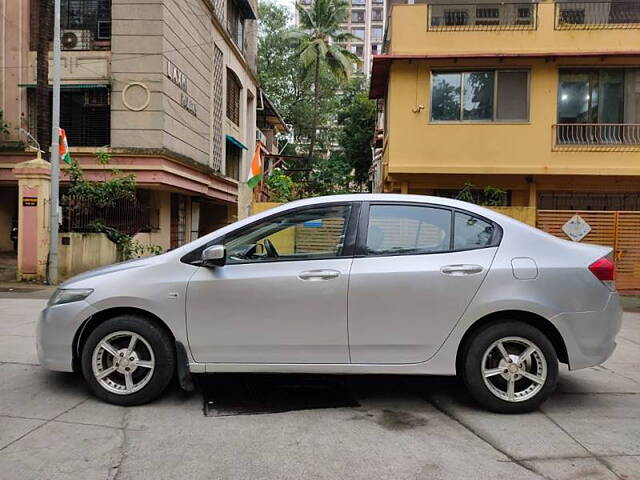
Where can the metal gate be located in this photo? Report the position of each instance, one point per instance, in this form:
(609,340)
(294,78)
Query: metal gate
(620,230)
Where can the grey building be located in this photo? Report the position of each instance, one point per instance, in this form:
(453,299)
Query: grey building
(168,87)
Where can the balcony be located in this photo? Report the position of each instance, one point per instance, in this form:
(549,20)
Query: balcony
(596,137)
(597,15)
(520,29)
(503,16)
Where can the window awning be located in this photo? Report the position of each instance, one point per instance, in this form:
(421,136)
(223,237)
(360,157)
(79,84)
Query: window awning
(68,86)
(236,142)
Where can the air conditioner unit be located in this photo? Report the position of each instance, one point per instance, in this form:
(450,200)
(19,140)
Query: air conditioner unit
(260,137)
(77,40)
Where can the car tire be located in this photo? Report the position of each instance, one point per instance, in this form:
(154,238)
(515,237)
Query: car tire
(121,375)
(496,374)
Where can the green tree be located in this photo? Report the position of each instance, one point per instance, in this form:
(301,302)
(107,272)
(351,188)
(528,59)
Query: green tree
(278,70)
(330,176)
(357,118)
(102,194)
(280,186)
(489,197)
(318,41)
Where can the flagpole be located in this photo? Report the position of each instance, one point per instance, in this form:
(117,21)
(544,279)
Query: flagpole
(52,266)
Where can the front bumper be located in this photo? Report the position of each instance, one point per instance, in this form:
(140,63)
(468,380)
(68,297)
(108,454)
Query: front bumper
(590,336)
(57,326)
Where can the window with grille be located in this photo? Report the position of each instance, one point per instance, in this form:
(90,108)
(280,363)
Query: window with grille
(232,161)
(235,24)
(357,16)
(524,16)
(218,10)
(92,17)
(178,232)
(216,117)
(572,16)
(487,16)
(456,17)
(85,115)
(233,97)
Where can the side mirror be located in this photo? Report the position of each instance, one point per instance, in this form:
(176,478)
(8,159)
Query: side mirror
(214,256)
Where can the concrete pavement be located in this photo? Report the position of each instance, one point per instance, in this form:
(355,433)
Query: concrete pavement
(403,428)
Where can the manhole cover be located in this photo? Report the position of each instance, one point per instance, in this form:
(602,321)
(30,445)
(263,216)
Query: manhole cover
(228,395)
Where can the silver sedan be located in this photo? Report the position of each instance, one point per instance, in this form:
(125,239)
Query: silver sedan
(354,284)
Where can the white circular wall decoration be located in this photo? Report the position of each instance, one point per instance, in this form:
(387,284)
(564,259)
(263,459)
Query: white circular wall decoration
(136,108)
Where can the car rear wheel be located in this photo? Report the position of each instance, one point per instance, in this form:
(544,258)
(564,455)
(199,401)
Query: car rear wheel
(510,367)
(128,360)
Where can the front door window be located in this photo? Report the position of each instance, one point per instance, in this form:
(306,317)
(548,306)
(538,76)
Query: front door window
(314,233)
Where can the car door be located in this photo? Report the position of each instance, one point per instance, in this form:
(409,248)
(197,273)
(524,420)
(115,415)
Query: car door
(282,295)
(416,269)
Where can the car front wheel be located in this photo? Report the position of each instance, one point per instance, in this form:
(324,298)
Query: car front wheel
(128,360)
(510,367)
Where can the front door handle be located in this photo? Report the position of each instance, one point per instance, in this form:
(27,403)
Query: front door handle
(319,275)
(459,270)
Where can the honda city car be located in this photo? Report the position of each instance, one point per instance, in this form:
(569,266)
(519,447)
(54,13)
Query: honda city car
(349,284)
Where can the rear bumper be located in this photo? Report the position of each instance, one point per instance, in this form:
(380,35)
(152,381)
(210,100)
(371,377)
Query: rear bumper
(590,336)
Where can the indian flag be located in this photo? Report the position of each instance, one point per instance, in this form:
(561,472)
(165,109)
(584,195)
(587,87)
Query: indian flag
(255,171)
(64,147)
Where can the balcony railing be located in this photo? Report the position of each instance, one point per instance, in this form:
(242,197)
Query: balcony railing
(485,16)
(597,15)
(598,136)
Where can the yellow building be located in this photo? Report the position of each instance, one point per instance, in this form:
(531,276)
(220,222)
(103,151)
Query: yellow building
(540,99)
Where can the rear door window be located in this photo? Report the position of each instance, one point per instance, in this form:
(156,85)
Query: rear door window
(407,230)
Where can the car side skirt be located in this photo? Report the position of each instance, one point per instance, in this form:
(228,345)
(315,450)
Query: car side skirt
(322,368)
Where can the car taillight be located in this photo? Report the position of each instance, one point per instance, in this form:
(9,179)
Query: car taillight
(605,271)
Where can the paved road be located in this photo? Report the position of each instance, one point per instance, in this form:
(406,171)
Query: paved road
(413,428)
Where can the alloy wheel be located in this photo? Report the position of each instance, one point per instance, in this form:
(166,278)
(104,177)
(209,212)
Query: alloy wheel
(123,362)
(514,369)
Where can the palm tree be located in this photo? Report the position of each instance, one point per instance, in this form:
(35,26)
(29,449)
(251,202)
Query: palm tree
(319,39)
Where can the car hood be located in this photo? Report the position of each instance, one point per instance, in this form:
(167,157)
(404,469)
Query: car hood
(116,267)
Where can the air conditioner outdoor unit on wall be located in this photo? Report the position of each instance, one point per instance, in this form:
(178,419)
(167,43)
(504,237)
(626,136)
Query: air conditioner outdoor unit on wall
(260,137)
(77,40)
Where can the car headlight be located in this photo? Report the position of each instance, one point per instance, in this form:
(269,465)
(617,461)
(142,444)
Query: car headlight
(68,295)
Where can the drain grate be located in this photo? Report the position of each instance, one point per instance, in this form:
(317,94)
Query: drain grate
(230,395)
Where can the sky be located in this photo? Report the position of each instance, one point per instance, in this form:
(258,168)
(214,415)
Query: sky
(285,3)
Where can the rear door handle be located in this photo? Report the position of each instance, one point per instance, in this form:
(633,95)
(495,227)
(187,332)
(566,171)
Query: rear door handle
(459,270)
(319,275)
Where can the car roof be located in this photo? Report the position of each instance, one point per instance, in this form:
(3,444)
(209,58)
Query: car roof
(393,198)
